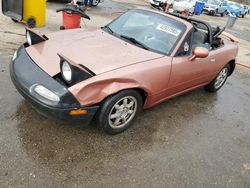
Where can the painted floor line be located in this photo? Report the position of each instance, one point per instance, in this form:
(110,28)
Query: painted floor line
(248,67)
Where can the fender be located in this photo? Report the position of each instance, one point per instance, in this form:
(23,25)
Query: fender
(96,92)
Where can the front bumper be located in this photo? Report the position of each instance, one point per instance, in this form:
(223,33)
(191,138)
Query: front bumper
(207,9)
(25,73)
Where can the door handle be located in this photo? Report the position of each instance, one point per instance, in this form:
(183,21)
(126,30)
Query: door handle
(212,60)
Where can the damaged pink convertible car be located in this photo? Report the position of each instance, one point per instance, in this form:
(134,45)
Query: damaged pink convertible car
(140,59)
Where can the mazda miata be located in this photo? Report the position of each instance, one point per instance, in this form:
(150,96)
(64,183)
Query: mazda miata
(109,74)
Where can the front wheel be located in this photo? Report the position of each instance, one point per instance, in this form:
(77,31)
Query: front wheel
(219,80)
(212,13)
(118,111)
(95,3)
(223,14)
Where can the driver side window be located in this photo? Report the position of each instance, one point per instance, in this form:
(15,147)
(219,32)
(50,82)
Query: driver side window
(186,47)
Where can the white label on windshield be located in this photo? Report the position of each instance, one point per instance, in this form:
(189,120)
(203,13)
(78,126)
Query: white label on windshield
(170,30)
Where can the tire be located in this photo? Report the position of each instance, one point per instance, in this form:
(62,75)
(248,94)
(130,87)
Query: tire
(95,3)
(31,22)
(242,15)
(213,13)
(16,21)
(163,7)
(124,106)
(62,28)
(219,80)
(223,14)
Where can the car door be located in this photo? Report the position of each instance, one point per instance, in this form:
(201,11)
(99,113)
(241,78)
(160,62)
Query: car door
(186,73)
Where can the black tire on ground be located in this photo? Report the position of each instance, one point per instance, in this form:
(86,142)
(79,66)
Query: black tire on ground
(115,106)
(62,28)
(242,15)
(213,13)
(95,3)
(31,22)
(16,21)
(211,87)
(223,14)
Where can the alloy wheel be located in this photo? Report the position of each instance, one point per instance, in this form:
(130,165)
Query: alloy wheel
(122,112)
(221,78)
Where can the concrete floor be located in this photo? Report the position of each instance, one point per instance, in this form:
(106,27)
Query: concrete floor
(195,140)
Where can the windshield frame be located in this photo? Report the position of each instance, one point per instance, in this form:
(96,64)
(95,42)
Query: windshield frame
(149,49)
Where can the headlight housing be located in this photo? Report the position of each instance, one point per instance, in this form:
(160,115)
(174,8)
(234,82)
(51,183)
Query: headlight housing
(72,73)
(66,71)
(34,38)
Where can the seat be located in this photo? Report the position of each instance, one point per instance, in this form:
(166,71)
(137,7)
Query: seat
(199,38)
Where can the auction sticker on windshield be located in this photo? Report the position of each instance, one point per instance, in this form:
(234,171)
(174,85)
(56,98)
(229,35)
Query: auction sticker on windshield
(168,29)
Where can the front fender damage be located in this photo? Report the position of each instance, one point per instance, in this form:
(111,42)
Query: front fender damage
(96,92)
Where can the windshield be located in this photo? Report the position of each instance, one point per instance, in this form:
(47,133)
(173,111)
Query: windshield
(147,30)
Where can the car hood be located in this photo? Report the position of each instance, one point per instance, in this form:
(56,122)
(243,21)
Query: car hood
(95,49)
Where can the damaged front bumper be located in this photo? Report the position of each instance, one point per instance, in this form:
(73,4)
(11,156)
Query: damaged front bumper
(25,74)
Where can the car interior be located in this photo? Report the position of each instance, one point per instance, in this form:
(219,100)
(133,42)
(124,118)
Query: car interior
(203,35)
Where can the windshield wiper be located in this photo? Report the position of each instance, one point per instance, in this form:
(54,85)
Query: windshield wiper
(133,40)
(108,28)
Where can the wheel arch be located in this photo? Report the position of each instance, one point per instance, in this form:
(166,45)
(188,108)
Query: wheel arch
(232,64)
(143,94)
(141,91)
(99,91)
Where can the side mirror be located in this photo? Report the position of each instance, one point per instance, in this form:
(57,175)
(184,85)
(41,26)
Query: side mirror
(199,52)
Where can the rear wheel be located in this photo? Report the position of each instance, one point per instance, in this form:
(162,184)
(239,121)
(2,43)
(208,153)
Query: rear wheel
(219,80)
(118,111)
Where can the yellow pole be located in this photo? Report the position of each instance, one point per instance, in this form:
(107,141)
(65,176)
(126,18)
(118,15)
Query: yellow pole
(34,10)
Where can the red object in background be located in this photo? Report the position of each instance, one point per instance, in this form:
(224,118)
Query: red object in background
(71,21)
(185,13)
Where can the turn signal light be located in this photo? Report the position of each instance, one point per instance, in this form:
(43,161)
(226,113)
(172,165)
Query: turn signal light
(78,112)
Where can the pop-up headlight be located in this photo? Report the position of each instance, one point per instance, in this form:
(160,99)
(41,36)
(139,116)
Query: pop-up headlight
(73,73)
(34,38)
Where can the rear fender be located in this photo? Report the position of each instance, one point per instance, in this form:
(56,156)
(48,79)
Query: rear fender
(230,37)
